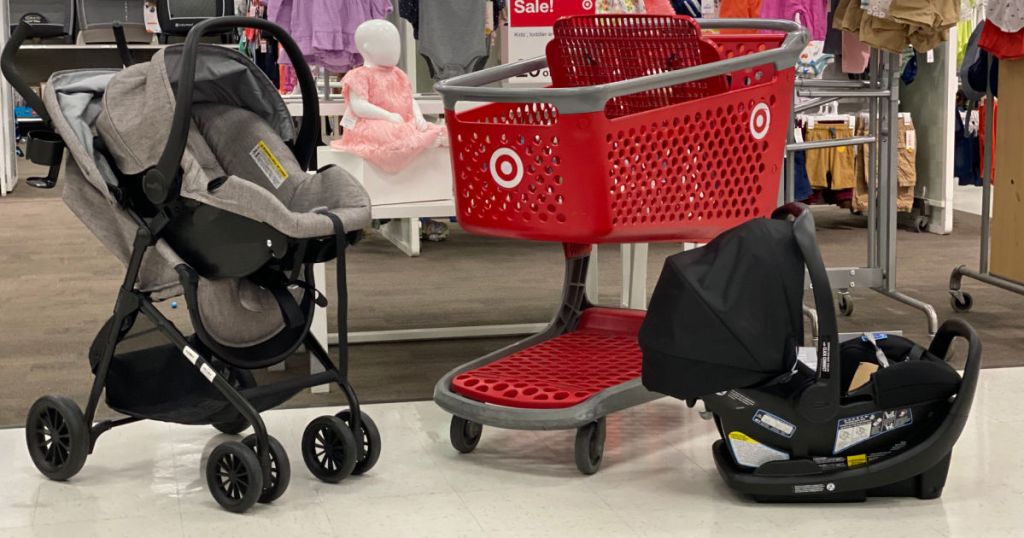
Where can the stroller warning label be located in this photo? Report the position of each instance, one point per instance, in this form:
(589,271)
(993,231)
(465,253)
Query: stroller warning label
(748,452)
(269,164)
(852,431)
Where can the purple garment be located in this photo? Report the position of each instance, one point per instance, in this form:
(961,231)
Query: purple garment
(325,29)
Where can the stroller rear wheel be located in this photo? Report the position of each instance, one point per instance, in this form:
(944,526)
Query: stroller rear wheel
(57,437)
(329,449)
(280,468)
(369,436)
(234,476)
(465,434)
(590,446)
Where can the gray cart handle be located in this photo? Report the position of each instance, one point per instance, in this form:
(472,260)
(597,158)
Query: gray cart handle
(586,99)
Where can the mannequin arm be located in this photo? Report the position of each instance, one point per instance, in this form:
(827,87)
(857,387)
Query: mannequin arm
(417,116)
(365,109)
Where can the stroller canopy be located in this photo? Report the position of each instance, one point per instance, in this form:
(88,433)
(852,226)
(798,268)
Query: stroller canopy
(727,315)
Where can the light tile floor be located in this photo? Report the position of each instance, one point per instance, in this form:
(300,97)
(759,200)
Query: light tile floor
(658,480)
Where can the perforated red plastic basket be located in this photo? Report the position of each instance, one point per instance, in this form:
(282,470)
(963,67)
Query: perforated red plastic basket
(650,131)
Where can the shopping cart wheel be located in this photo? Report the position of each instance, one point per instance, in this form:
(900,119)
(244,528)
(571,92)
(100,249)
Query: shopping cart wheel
(590,446)
(234,476)
(845,304)
(280,468)
(329,449)
(465,434)
(57,437)
(369,437)
(962,305)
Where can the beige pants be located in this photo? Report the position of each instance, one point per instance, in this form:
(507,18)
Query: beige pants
(837,163)
(906,170)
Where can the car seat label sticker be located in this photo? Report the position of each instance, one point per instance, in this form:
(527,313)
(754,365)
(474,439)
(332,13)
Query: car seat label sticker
(268,163)
(852,431)
(740,398)
(814,488)
(808,356)
(773,423)
(748,452)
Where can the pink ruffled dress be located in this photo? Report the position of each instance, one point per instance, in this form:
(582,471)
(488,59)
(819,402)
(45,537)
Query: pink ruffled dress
(390,146)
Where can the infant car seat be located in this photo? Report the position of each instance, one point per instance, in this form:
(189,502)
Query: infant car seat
(877,415)
(189,168)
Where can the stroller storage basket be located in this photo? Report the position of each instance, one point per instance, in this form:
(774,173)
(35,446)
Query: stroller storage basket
(678,143)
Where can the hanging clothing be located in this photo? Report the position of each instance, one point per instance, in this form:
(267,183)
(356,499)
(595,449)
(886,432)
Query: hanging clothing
(1008,15)
(658,7)
(388,145)
(740,9)
(833,37)
(966,154)
(690,8)
(325,29)
(856,54)
(831,168)
(813,13)
(923,24)
(1002,44)
(410,11)
(453,49)
(906,165)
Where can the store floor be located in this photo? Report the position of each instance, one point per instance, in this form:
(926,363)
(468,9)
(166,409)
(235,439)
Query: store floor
(58,283)
(658,479)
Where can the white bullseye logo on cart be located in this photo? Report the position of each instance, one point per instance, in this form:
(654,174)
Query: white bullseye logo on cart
(760,120)
(506,168)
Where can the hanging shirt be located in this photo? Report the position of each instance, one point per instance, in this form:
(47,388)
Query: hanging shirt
(1008,15)
(325,29)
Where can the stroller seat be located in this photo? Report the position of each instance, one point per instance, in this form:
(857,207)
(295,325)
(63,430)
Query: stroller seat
(874,415)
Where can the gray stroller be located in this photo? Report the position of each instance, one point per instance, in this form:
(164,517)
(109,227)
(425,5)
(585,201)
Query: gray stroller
(190,170)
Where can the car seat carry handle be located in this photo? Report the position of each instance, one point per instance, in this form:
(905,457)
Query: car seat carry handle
(21,33)
(950,329)
(165,173)
(820,401)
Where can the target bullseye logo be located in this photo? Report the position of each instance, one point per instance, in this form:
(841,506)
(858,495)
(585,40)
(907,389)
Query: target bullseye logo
(506,168)
(760,120)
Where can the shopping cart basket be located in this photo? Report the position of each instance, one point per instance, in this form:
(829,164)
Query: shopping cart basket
(652,130)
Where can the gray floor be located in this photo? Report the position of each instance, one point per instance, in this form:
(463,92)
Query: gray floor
(57,285)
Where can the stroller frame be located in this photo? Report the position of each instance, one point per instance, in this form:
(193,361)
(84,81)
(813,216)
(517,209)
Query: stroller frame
(153,201)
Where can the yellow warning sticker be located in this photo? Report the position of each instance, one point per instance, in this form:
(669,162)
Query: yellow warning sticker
(856,460)
(269,164)
(748,452)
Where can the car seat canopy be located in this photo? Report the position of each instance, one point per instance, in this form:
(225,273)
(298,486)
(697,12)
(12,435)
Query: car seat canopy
(728,315)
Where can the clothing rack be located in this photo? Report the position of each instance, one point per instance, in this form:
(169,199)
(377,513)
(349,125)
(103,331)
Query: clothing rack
(960,300)
(882,94)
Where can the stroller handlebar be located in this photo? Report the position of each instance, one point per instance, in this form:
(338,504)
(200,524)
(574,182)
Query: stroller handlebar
(159,180)
(22,32)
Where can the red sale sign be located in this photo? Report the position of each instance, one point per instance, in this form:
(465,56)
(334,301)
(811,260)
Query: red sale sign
(530,25)
(537,13)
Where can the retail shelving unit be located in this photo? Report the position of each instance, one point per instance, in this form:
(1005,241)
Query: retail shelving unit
(882,93)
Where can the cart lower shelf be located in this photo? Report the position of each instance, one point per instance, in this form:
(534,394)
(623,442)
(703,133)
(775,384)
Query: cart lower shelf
(564,371)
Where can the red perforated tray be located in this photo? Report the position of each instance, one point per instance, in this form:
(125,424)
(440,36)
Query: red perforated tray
(564,371)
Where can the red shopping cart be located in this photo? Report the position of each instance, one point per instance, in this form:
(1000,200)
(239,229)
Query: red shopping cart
(652,130)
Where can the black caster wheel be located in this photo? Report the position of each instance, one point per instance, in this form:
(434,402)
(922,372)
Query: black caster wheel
(962,306)
(369,437)
(234,476)
(240,379)
(845,304)
(329,449)
(280,468)
(57,437)
(590,446)
(465,434)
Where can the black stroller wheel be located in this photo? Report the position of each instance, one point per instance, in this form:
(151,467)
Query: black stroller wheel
(368,435)
(280,468)
(329,449)
(234,476)
(465,434)
(240,379)
(57,437)
(590,446)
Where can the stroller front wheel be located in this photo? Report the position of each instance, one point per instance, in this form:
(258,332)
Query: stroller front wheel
(329,449)
(57,437)
(369,436)
(234,476)
(280,468)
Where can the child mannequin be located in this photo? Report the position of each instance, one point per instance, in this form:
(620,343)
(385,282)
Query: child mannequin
(383,124)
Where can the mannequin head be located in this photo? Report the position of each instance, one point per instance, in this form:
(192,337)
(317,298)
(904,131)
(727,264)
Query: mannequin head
(379,43)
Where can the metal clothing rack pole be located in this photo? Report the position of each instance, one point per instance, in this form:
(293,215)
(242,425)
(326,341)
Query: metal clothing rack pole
(961,300)
(882,94)
(8,165)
